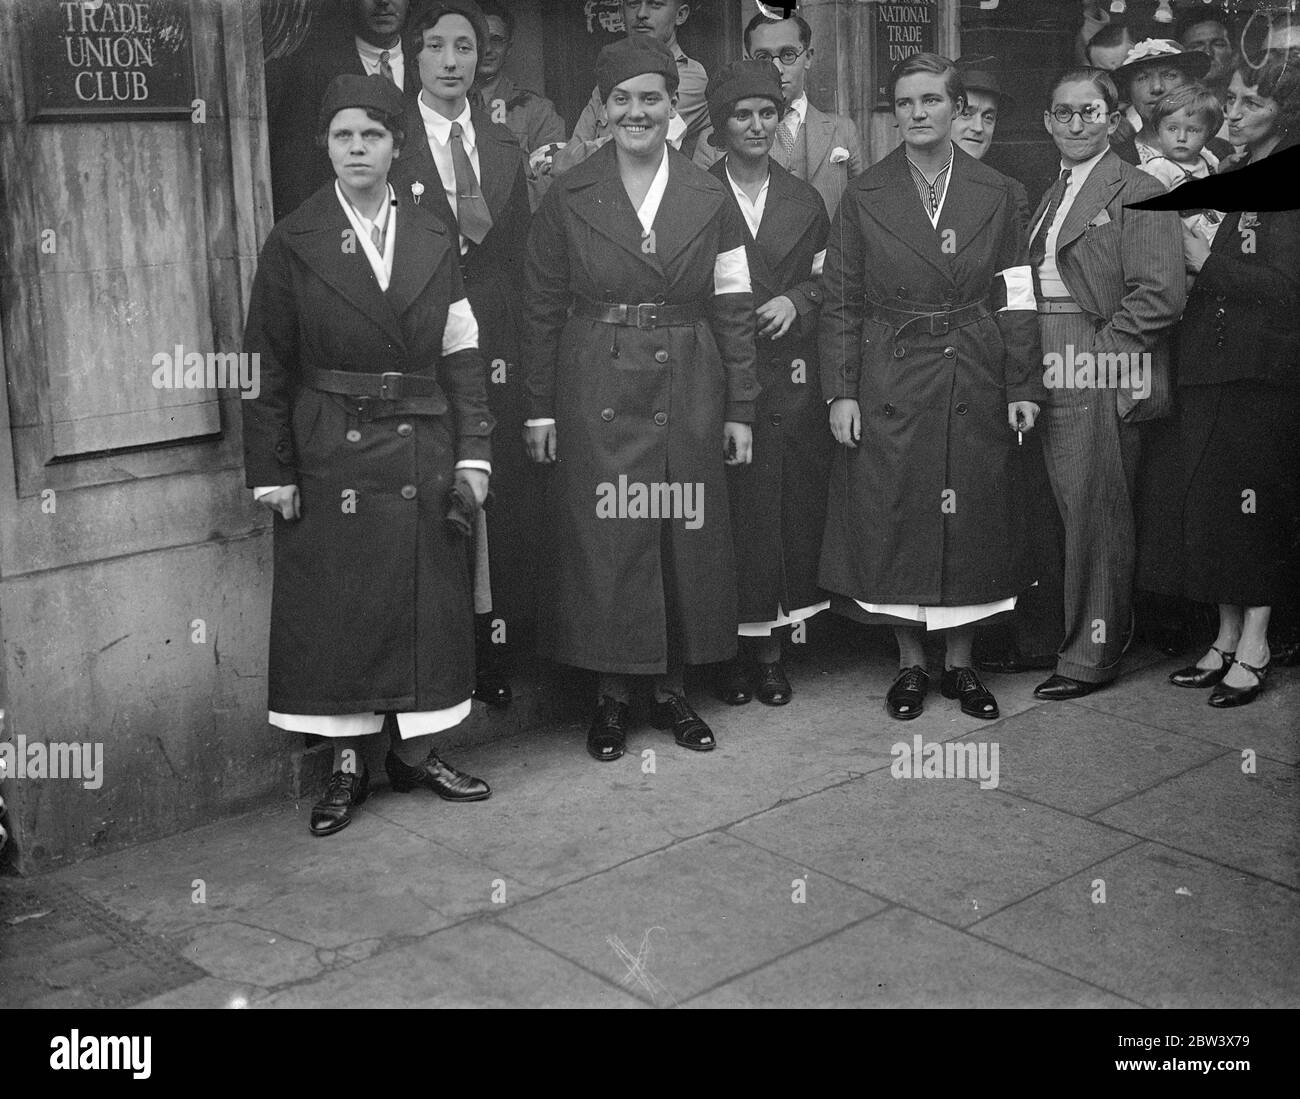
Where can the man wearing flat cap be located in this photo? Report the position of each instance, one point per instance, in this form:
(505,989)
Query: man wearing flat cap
(371,424)
(974,125)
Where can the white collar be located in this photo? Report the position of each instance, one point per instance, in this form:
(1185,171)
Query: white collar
(799,107)
(371,52)
(386,222)
(753,209)
(438,126)
(1080,172)
(654,196)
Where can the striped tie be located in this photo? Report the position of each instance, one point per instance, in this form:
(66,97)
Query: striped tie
(785,142)
(385,69)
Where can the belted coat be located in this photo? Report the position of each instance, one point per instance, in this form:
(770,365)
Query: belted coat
(778,502)
(922,510)
(645,405)
(493,272)
(371,607)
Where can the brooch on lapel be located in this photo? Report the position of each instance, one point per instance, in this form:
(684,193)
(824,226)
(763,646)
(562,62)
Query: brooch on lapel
(417,189)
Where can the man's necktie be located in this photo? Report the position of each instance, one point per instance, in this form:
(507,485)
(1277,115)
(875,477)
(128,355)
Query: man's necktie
(385,69)
(784,143)
(1038,247)
(471,207)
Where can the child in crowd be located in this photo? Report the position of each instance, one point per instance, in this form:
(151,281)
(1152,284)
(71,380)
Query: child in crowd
(1184,120)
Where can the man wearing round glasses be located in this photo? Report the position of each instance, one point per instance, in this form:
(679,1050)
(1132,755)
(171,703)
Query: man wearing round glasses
(1110,285)
(819,148)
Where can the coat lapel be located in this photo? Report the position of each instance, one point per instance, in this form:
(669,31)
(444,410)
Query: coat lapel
(787,219)
(967,207)
(416,164)
(314,232)
(418,250)
(1098,189)
(687,207)
(761,274)
(497,163)
(897,208)
(600,200)
(820,129)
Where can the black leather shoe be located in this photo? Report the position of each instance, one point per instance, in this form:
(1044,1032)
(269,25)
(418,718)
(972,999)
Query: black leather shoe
(1224,697)
(964,683)
(773,689)
(493,688)
(1060,688)
(333,812)
(1203,677)
(688,728)
(607,737)
(733,684)
(906,697)
(442,778)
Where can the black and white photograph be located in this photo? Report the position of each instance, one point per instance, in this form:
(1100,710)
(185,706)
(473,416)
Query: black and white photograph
(593,504)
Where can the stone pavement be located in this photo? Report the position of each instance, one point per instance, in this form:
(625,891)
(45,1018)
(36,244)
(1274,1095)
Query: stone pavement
(1125,858)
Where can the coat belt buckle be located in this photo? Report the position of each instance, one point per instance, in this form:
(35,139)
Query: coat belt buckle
(647,314)
(939,324)
(390,390)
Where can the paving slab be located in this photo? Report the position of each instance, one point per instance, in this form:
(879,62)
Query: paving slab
(1250,821)
(942,846)
(898,959)
(690,917)
(1270,725)
(1068,757)
(475,964)
(1174,931)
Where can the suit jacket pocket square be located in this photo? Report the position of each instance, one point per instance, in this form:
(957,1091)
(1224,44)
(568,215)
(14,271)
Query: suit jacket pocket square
(839,154)
(1101,219)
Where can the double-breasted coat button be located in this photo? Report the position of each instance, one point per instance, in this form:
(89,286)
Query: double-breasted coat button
(661,418)
(408,492)
(776,419)
(889,410)
(949,352)
(404,430)
(961,408)
(900,351)
(607,414)
(353,436)
(661,356)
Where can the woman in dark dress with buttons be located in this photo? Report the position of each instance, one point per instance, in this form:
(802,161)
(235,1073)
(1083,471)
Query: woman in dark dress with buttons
(1239,391)
(639,357)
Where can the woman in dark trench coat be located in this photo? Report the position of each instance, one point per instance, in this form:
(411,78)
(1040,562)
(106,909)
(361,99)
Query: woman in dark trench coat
(929,357)
(446,41)
(371,418)
(639,351)
(778,502)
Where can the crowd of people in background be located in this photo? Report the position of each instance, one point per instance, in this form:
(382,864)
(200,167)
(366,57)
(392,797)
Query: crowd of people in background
(734,375)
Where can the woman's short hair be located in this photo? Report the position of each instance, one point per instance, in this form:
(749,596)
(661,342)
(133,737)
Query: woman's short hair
(935,65)
(1278,78)
(428,18)
(390,122)
(1195,98)
(1098,78)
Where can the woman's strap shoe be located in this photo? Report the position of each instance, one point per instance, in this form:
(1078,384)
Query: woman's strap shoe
(906,697)
(964,683)
(433,774)
(607,737)
(1203,677)
(689,729)
(344,793)
(1224,697)
(772,688)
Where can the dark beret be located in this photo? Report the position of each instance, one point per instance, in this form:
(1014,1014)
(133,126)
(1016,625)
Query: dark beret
(741,80)
(376,92)
(635,56)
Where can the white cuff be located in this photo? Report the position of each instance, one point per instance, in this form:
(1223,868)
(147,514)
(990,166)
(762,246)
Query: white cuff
(546,422)
(474,463)
(265,490)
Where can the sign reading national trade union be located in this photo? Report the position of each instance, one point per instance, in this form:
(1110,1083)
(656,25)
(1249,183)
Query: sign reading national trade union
(898,31)
(107,59)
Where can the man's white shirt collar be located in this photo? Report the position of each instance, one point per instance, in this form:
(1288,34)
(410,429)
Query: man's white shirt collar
(369,54)
(798,108)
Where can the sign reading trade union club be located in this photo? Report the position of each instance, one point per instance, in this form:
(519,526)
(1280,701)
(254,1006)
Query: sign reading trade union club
(100,59)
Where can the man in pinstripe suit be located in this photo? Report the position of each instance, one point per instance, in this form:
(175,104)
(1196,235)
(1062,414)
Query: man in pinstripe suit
(1110,284)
